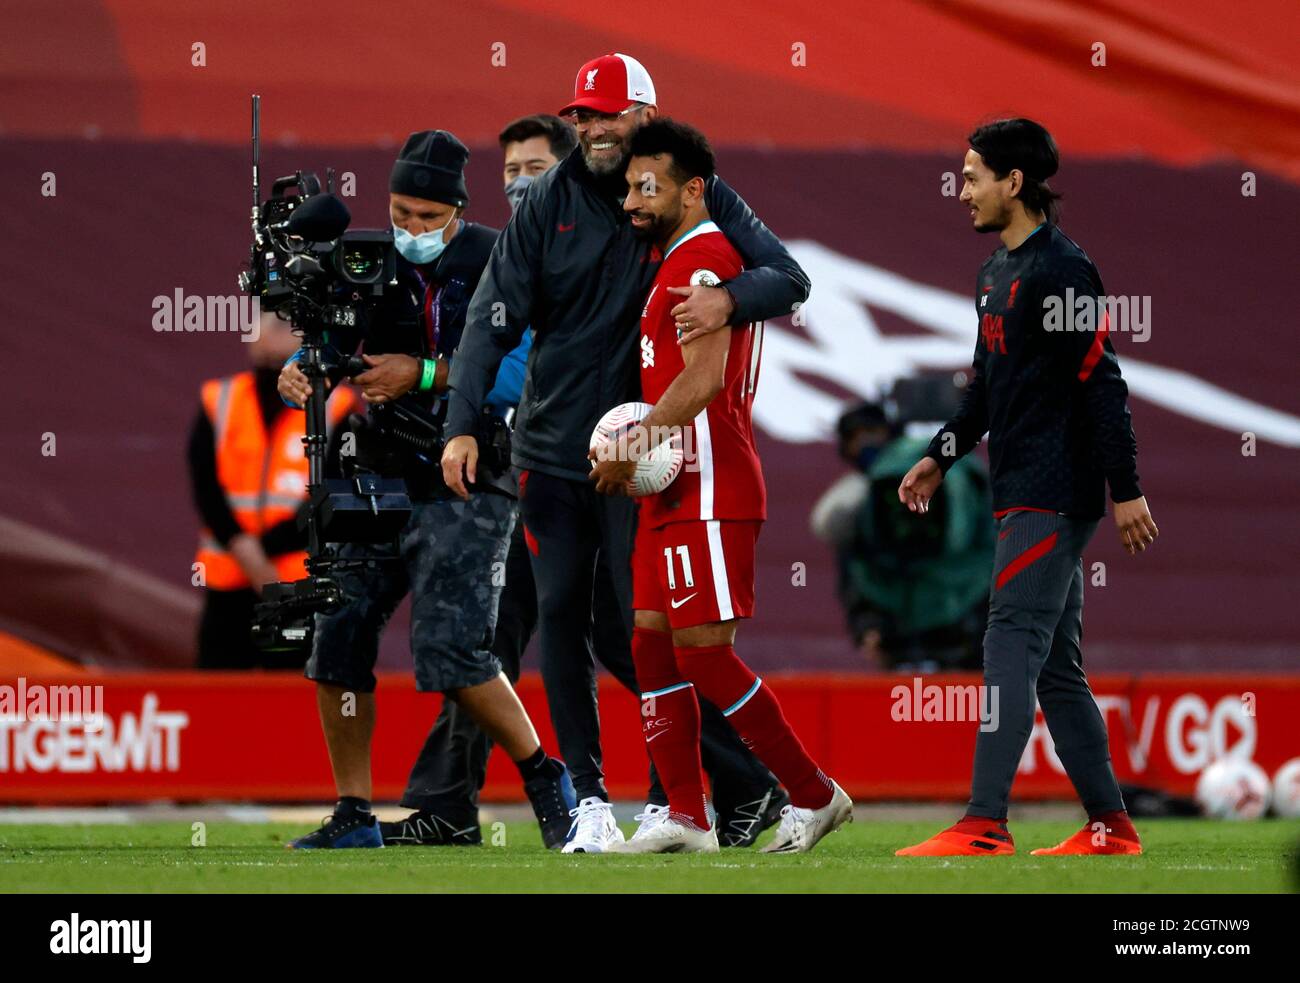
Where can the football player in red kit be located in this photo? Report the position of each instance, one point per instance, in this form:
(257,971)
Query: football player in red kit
(693,565)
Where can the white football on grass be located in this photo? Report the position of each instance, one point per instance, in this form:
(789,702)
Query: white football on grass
(1233,788)
(1286,790)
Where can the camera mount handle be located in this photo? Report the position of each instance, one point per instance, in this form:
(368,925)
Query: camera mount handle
(316,369)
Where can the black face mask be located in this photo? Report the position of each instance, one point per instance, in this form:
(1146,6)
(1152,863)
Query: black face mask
(516,190)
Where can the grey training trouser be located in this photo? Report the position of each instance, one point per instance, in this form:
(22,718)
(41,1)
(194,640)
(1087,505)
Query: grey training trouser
(1032,648)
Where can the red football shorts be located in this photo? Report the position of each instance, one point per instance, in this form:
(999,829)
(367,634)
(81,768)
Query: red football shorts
(694,571)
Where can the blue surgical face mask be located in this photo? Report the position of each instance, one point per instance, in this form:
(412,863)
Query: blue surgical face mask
(867,457)
(424,248)
(516,188)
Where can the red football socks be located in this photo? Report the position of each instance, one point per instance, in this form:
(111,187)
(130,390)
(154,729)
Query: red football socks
(979,825)
(670,719)
(749,706)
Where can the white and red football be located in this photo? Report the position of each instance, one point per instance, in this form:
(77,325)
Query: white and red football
(1286,790)
(1233,788)
(657,469)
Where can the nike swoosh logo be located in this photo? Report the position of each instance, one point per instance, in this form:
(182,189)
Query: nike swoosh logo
(658,734)
(566,228)
(677,604)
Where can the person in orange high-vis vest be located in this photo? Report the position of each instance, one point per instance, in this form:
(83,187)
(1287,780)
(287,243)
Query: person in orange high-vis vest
(249,475)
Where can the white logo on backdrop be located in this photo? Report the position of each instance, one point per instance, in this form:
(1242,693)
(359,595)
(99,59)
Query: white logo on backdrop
(845,346)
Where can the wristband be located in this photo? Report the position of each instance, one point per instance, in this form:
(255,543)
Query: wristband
(428,373)
(735,304)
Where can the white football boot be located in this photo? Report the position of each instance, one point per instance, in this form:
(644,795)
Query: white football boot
(660,833)
(594,829)
(651,818)
(801,829)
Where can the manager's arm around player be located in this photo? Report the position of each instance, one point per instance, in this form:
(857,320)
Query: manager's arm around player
(572,203)
(772,284)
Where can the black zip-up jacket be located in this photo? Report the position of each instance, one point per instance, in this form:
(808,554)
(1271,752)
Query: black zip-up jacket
(402,322)
(1047,391)
(569,265)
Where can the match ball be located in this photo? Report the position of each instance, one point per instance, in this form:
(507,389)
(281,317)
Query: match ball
(657,469)
(1286,790)
(1233,788)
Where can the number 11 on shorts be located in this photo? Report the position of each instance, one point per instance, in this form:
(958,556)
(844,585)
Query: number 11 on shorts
(685,554)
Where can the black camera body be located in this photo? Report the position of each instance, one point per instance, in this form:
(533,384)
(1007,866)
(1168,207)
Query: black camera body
(401,437)
(307,265)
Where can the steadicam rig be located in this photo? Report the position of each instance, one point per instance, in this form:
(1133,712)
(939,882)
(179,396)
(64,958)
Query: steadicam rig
(307,267)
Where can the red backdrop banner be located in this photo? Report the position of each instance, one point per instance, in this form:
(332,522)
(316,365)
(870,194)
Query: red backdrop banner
(255,737)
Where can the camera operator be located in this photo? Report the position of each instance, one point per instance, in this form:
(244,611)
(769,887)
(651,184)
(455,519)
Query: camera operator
(451,549)
(447,776)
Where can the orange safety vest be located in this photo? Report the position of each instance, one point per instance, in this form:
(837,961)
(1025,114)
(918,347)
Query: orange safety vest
(264,476)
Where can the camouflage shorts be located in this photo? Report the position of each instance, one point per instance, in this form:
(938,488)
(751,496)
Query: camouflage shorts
(452,561)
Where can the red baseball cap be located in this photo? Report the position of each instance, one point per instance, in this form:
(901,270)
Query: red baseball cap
(611,83)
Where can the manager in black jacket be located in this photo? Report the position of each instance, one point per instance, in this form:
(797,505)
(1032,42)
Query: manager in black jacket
(569,265)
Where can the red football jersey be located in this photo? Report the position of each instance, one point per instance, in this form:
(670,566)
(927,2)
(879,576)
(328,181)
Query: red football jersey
(721,477)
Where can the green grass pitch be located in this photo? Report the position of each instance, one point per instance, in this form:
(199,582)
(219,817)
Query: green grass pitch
(1182,856)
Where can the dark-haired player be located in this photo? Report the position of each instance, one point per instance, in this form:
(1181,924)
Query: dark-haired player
(1055,408)
(693,563)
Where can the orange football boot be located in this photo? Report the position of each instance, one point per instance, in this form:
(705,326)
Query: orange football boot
(971,837)
(1091,843)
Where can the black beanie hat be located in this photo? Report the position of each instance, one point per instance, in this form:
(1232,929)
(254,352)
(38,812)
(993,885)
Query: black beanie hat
(432,166)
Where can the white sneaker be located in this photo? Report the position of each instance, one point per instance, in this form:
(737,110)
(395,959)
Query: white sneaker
(594,829)
(649,820)
(801,829)
(660,833)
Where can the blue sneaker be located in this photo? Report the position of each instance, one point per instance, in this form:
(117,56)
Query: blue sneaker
(359,830)
(553,800)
